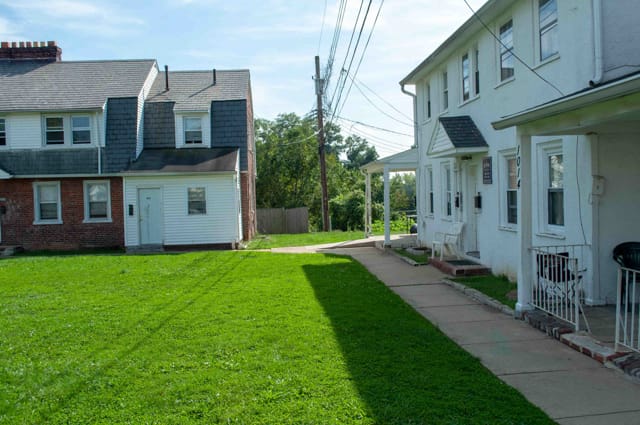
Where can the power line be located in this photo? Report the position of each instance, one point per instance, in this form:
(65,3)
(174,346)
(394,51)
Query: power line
(324,14)
(334,43)
(363,52)
(360,82)
(375,127)
(512,50)
(355,50)
(376,106)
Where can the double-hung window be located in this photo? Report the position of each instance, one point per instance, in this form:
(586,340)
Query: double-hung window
(466,77)
(47,208)
(97,205)
(80,129)
(445,91)
(197,202)
(476,71)
(192,130)
(3,132)
(555,190)
(512,191)
(54,130)
(430,188)
(548,21)
(506,51)
(428,102)
(447,191)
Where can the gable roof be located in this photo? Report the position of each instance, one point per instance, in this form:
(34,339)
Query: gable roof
(456,136)
(28,85)
(194,90)
(193,160)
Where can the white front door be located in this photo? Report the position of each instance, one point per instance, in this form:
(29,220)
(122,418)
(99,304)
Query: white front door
(150,216)
(471,230)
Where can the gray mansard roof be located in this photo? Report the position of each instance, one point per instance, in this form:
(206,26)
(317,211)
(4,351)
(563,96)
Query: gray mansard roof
(36,86)
(194,160)
(194,90)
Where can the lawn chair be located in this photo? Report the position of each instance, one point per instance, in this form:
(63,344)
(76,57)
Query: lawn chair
(448,240)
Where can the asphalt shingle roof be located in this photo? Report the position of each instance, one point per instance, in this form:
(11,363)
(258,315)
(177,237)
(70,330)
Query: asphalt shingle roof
(462,132)
(194,90)
(186,160)
(53,86)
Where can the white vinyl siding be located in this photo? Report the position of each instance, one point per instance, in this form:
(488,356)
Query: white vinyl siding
(219,224)
(24,131)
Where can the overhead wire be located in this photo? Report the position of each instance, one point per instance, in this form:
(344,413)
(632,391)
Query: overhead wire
(391,105)
(375,127)
(475,14)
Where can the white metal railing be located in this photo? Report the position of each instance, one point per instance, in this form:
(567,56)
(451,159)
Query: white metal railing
(627,314)
(558,281)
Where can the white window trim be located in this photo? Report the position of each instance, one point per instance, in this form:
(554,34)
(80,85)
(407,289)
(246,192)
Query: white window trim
(72,129)
(474,93)
(503,185)
(431,196)
(545,150)
(206,212)
(184,131)
(67,128)
(446,91)
(446,168)
(500,24)
(36,203)
(88,219)
(428,105)
(537,45)
(469,73)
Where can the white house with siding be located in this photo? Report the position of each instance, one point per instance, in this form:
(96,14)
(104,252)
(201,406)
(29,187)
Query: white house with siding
(525,190)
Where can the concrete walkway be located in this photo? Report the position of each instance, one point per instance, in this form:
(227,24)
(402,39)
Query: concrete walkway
(570,387)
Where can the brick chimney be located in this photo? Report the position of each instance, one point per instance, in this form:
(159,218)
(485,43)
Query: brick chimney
(30,50)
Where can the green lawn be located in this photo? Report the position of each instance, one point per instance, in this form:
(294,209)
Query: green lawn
(229,337)
(303,239)
(496,287)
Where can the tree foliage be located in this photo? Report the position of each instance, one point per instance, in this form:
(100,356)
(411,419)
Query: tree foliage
(289,172)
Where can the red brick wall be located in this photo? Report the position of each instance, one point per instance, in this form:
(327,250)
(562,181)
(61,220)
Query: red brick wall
(18,227)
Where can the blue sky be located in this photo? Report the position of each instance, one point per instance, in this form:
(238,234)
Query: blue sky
(275,39)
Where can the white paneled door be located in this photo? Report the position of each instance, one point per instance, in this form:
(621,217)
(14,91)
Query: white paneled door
(150,216)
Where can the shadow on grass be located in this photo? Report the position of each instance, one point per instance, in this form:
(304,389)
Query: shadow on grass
(405,370)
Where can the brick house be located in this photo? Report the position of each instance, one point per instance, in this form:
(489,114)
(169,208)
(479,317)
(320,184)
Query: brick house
(97,154)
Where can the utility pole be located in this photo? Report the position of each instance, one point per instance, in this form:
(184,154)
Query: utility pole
(323,167)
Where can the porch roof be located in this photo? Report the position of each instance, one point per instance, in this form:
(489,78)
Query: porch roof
(403,161)
(456,136)
(194,160)
(611,107)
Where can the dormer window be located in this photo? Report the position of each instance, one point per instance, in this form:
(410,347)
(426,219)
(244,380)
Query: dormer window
(67,130)
(192,131)
(54,130)
(81,129)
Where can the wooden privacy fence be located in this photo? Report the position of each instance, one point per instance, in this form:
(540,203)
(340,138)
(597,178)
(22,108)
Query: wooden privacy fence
(280,220)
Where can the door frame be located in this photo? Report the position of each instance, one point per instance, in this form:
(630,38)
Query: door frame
(161,208)
(471,215)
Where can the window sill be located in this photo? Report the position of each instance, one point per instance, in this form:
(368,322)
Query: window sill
(504,83)
(550,235)
(445,112)
(466,102)
(548,60)
(96,220)
(506,228)
(67,146)
(447,218)
(44,222)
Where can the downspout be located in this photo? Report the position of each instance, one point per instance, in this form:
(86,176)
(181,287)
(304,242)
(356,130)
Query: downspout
(415,114)
(598,62)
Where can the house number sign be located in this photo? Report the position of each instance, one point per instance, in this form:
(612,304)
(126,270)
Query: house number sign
(487,171)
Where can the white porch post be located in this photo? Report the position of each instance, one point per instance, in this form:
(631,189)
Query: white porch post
(367,204)
(387,208)
(525,222)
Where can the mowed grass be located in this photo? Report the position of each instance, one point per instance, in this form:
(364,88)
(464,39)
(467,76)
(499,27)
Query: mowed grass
(303,239)
(496,287)
(229,337)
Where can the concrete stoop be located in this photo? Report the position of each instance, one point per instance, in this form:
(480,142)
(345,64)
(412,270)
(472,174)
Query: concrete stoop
(450,267)
(628,363)
(9,250)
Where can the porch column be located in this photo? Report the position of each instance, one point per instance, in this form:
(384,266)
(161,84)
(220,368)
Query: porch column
(387,208)
(525,222)
(367,204)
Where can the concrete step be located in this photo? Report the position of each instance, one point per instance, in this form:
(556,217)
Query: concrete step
(9,250)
